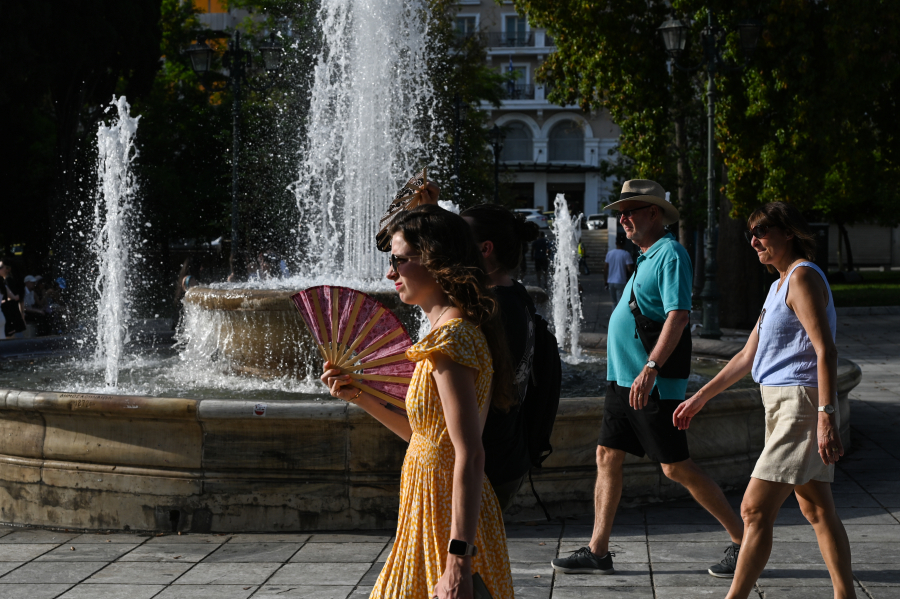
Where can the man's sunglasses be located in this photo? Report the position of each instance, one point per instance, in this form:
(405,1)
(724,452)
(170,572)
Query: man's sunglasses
(759,231)
(628,213)
(396,260)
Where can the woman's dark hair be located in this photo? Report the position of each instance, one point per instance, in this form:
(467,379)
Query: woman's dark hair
(787,218)
(447,249)
(505,229)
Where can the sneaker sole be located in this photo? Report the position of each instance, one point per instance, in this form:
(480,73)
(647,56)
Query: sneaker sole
(711,573)
(595,571)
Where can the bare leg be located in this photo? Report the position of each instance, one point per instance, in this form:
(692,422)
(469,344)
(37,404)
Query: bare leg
(762,500)
(707,493)
(607,493)
(817,505)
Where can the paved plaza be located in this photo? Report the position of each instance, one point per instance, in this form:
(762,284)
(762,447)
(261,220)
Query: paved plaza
(662,551)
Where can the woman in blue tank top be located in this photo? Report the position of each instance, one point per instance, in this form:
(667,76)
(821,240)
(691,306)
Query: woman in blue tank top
(792,355)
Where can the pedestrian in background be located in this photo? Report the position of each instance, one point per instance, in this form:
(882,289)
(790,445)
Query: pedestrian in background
(499,235)
(11,302)
(616,270)
(792,355)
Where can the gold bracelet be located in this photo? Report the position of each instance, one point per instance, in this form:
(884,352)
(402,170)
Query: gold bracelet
(358,393)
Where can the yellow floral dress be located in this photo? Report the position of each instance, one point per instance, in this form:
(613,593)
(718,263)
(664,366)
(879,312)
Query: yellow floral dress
(423,526)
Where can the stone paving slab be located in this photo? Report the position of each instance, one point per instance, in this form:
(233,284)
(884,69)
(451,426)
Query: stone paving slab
(139,573)
(51,573)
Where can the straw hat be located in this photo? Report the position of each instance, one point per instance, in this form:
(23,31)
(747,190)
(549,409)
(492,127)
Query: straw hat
(648,191)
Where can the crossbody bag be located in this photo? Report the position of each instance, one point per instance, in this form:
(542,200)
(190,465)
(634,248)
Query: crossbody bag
(678,366)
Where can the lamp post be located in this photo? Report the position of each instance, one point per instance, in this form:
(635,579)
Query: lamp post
(675,34)
(238,61)
(497,145)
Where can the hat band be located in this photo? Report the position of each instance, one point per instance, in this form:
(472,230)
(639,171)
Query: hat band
(628,194)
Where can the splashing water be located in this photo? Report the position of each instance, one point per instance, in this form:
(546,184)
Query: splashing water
(371,111)
(111,243)
(564,297)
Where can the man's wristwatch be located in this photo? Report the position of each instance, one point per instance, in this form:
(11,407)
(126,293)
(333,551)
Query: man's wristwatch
(457,547)
(652,364)
(829,409)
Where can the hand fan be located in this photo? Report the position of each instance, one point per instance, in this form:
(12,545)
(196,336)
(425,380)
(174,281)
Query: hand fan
(409,196)
(360,336)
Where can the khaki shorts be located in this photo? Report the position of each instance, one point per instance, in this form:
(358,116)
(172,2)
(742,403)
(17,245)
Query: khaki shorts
(791,454)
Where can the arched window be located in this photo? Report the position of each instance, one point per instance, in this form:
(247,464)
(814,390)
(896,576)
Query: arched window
(566,142)
(517,144)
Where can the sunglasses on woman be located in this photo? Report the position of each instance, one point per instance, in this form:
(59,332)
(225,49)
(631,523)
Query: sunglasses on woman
(759,231)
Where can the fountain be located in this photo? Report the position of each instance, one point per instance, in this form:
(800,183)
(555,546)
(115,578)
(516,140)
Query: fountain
(564,297)
(232,432)
(111,244)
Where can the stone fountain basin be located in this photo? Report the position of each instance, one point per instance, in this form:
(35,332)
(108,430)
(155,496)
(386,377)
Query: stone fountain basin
(260,332)
(107,462)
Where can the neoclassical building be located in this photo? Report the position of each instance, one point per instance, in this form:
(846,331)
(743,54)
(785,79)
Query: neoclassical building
(547,148)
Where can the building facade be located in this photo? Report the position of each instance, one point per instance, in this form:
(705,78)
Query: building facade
(547,148)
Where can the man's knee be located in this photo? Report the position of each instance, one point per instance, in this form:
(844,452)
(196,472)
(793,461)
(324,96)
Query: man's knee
(681,472)
(607,457)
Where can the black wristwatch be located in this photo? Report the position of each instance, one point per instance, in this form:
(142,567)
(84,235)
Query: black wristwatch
(652,364)
(457,547)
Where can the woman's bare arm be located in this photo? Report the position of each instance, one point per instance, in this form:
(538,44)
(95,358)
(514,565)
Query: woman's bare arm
(735,370)
(456,388)
(808,297)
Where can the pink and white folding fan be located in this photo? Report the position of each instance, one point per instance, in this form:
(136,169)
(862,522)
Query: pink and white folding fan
(360,336)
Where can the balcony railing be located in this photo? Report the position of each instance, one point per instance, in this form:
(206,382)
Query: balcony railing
(510,39)
(520,91)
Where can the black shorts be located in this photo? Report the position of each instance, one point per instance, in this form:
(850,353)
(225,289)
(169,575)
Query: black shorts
(649,430)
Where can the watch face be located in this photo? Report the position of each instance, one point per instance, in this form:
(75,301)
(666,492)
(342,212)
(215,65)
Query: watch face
(457,547)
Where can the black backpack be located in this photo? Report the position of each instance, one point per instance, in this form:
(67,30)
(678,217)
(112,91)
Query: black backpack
(541,400)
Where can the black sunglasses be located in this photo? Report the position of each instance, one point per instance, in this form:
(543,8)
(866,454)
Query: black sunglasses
(628,213)
(395,261)
(759,231)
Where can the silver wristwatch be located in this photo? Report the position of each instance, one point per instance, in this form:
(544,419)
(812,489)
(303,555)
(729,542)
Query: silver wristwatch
(652,364)
(829,409)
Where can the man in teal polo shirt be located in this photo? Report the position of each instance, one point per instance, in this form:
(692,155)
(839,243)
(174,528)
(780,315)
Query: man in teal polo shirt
(639,405)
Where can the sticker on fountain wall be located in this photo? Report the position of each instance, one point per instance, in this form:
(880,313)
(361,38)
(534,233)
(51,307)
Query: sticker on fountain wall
(260,409)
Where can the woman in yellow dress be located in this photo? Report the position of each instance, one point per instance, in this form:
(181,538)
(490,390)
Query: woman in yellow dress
(449,526)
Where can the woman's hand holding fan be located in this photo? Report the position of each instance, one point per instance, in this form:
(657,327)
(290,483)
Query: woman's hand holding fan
(363,343)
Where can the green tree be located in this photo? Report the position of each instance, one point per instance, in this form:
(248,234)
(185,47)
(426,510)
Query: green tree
(813,122)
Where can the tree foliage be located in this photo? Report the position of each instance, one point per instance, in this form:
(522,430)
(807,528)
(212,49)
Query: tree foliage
(810,121)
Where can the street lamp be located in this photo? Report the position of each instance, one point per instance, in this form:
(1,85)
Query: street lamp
(238,61)
(675,35)
(497,145)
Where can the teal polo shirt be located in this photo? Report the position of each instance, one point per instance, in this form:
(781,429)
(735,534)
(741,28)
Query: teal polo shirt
(663,283)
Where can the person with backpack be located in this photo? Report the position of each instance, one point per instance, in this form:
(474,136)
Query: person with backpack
(519,439)
(648,363)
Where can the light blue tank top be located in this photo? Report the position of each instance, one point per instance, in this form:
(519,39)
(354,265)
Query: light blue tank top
(785,355)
